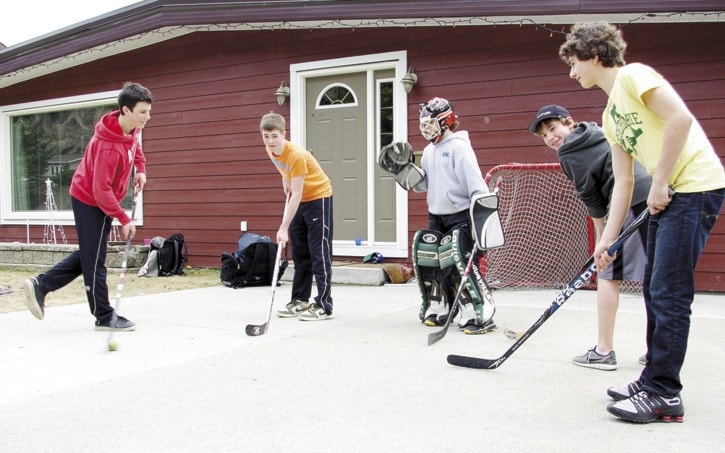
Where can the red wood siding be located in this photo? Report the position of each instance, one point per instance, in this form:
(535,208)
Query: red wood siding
(207,169)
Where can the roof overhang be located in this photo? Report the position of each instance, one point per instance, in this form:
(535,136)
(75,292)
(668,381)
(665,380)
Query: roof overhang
(154,21)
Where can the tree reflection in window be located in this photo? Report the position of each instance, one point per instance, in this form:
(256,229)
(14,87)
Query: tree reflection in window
(48,145)
(337,95)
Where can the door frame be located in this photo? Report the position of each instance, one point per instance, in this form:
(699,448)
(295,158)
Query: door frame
(390,60)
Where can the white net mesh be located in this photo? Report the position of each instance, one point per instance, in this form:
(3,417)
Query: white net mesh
(547,230)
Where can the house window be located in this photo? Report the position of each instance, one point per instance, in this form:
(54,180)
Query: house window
(45,146)
(41,142)
(386,112)
(336,95)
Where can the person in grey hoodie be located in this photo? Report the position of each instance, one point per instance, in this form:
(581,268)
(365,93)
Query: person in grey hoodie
(586,159)
(452,178)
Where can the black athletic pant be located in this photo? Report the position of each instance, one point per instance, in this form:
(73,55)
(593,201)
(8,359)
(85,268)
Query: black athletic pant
(92,228)
(311,236)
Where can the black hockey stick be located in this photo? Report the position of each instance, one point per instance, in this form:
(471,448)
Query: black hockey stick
(255,330)
(577,282)
(112,346)
(435,336)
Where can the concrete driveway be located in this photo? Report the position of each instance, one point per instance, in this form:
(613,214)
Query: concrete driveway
(189,379)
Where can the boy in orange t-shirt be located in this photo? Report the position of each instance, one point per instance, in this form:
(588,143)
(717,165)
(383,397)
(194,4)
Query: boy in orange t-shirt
(307,221)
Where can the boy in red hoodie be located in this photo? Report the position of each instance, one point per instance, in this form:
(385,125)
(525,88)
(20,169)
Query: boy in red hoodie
(99,184)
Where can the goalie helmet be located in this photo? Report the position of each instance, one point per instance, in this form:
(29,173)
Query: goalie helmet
(435,117)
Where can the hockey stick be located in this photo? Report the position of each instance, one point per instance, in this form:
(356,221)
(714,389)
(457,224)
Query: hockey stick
(255,330)
(112,345)
(577,282)
(435,336)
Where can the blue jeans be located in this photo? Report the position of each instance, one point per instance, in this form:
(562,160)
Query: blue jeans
(675,241)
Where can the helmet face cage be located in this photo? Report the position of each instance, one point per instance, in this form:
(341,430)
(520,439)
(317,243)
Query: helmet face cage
(435,117)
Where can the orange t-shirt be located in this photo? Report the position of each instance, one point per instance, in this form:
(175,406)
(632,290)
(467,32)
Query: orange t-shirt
(296,161)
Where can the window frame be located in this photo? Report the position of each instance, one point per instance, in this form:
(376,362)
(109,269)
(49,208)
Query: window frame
(34,218)
(324,91)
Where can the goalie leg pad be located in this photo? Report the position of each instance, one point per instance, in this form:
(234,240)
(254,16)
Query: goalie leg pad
(475,290)
(426,265)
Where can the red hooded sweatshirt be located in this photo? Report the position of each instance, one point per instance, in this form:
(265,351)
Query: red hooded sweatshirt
(103,176)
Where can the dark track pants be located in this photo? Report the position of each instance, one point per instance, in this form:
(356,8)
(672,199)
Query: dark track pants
(311,237)
(92,228)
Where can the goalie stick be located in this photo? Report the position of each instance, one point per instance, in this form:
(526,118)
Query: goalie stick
(435,336)
(255,330)
(577,282)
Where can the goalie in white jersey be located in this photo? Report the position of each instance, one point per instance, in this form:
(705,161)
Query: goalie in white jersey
(452,178)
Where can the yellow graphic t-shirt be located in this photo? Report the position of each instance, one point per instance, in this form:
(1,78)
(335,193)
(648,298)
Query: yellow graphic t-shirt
(628,123)
(297,161)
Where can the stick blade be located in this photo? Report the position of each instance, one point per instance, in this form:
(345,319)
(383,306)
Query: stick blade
(473,362)
(435,336)
(255,330)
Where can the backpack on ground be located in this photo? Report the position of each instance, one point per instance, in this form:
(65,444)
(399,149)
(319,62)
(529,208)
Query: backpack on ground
(172,255)
(252,264)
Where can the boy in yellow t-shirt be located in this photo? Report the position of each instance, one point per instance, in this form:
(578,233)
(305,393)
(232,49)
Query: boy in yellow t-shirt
(307,221)
(647,120)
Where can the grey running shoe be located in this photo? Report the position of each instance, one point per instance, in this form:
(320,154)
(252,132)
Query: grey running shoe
(593,359)
(622,393)
(642,359)
(314,313)
(34,297)
(119,324)
(644,407)
(293,309)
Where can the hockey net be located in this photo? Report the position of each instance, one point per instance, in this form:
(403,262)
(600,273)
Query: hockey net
(549,235)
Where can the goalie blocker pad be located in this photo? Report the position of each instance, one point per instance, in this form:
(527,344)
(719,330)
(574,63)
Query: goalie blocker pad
(485,222)
(409,176)
(426,265)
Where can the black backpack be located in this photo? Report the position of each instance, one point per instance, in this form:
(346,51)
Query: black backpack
(252,264)
(173,255)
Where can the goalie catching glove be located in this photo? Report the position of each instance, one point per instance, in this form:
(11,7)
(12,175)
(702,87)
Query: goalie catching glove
(397,158)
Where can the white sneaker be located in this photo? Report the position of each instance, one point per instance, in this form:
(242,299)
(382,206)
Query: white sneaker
(293,309)
(314,313)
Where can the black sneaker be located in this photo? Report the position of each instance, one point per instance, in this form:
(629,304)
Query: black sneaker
(119,324)
(622,393)
(34,297)
(644,407)
(486,327)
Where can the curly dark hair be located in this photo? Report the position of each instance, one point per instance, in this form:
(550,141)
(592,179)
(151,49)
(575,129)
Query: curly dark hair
(587,40)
